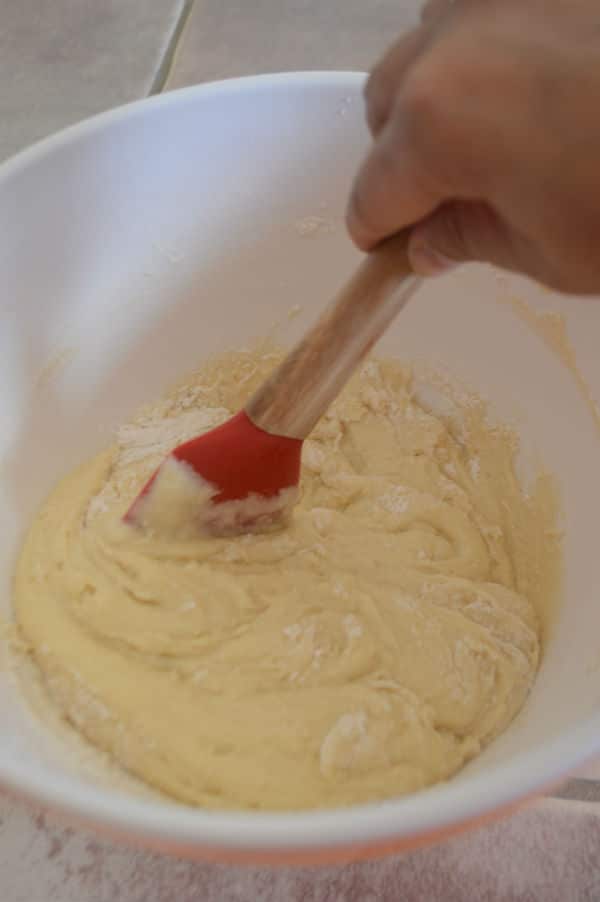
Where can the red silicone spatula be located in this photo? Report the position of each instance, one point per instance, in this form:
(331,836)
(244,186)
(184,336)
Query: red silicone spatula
(256,454)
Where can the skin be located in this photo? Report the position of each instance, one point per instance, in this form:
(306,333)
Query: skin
(486,128)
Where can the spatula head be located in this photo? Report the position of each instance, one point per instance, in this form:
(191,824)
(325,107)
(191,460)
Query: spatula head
(235,478)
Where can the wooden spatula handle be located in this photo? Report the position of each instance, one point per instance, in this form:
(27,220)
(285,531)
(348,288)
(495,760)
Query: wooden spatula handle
(301,389)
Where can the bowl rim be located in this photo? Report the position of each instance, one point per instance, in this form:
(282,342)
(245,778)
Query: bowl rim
(430,811)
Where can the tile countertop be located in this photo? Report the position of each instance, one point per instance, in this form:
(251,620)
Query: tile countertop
(61,62)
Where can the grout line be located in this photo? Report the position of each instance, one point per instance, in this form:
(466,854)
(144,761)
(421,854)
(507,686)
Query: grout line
(166,63)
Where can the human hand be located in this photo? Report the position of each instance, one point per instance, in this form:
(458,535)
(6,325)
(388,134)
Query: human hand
(486,126)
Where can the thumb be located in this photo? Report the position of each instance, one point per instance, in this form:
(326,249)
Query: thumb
(457,232)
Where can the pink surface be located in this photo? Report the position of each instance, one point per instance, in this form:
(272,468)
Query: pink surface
(549,852)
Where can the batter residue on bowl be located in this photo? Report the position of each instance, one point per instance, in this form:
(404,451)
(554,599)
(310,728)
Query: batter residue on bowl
(367,650)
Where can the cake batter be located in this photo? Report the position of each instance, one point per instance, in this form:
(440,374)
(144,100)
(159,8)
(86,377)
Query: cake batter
(368,649)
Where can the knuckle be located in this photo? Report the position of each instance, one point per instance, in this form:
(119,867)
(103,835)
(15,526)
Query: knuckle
(423,98)
(375,85)
(376,113)
(388,158)
(376,93)
(370,210)
(438,125)
(361,209)
(374,118)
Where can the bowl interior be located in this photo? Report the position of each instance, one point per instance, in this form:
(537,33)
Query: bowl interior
(137,245)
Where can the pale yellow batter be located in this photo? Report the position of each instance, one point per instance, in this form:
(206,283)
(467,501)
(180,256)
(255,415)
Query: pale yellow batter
(367,650)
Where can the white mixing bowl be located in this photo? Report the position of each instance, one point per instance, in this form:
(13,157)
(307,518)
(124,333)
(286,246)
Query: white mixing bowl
(136,244)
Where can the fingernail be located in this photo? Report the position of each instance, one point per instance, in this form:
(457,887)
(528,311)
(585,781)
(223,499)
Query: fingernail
(426,261)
